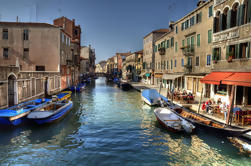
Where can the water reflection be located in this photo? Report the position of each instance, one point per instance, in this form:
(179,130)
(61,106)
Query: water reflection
(108,126)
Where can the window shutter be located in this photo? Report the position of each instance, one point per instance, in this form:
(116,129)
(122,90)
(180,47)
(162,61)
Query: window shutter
(213,53)
(219,53)
(249,11)
(227,52)
(229,14)
(241,15)
(215,22)
(248,50)
(221,18)
(237,51)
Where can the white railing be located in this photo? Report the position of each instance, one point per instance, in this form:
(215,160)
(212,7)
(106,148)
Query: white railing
(226,35)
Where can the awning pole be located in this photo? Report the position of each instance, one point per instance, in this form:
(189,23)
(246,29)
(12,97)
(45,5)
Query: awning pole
(200,99)
(231,105)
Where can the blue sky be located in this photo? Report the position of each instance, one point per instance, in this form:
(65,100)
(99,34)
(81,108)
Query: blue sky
(110,26)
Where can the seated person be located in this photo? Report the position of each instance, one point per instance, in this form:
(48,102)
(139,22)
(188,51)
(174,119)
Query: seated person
(208,105)
(203,106)
(224,110)
(219,101)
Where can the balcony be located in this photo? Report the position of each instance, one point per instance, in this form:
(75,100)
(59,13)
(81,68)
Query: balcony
(162,51)
(188,50)
(226,35)
(188,68)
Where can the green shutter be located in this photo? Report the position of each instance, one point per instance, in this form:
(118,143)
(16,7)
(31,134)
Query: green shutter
(176,46)
(241,15)
(248,49)
(249,11)
(221,18)
(183,43)
(188,41)
(219,53)
(229,13)
(198,40)
(227,52)
(213,53)
(237,51)
(209,36)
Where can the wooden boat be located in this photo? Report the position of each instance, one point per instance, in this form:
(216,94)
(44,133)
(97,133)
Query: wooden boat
(125,86)
(50,112)
(208,123)
(172,121)
(15,115)
(153,98)
(65,95)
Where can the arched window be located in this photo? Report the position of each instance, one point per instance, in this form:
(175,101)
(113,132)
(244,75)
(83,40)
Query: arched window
(234,15)
(224,19)
(217,22)
(247,11)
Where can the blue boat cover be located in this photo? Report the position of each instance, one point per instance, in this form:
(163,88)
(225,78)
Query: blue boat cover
(19,109)
(152,94)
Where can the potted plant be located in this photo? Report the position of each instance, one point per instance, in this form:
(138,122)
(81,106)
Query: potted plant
(230,56)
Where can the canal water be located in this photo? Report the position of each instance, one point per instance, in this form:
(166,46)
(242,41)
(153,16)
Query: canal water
(108,126)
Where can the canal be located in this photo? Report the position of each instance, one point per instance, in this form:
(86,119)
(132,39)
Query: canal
(108,126)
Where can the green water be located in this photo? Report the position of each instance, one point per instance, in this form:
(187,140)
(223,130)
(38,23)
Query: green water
(108,126)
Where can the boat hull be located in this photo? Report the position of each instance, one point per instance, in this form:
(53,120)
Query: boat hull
(221,129)
(54,117)
(166,126)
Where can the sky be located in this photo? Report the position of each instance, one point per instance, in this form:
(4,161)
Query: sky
(109,26)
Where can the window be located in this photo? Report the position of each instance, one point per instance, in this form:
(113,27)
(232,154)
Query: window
(182,26)
(244,50)
(209,36)
(198,17)
(171,64)
(187,24)
(26,34)
(164,65)
(159,65)
(167,65)
(172,42)
(183,43)
(40,68)
(167,44)
(175,63)
(176,46)
(192,21)
(5,34)
(197,62)
(155,48)
(26,53)
(198,40)
(5,53)
(158,46)
(176,29)
(220,89)
(210,11)
(208,60)
(189,61)
(188,41)
(182,62)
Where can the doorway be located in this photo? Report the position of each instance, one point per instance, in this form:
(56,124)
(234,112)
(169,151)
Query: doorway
(12,87)
(208,90)
(239,95)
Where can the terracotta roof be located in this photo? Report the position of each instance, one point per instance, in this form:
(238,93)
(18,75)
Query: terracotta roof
(158,31)
(139,52)
(27,24)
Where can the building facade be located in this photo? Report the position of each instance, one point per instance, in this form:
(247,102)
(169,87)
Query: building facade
(24,74)
(231,52)
(88,58)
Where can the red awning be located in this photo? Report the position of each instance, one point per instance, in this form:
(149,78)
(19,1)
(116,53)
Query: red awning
(215,77)
(238,78)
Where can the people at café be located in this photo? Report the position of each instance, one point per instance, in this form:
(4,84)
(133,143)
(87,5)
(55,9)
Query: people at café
(223,108)
(208,105)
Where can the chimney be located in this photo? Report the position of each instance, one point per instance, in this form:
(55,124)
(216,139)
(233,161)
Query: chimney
(201,2)
(17,19)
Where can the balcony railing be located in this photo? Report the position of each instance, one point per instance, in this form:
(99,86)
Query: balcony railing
(188,50)
(226,35)
(162,51)
(188,68)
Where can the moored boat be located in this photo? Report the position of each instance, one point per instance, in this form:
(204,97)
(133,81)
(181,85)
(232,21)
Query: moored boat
(50,112)
(65,95)
(172,121)
(208,123)
(153,98)
(15,115)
